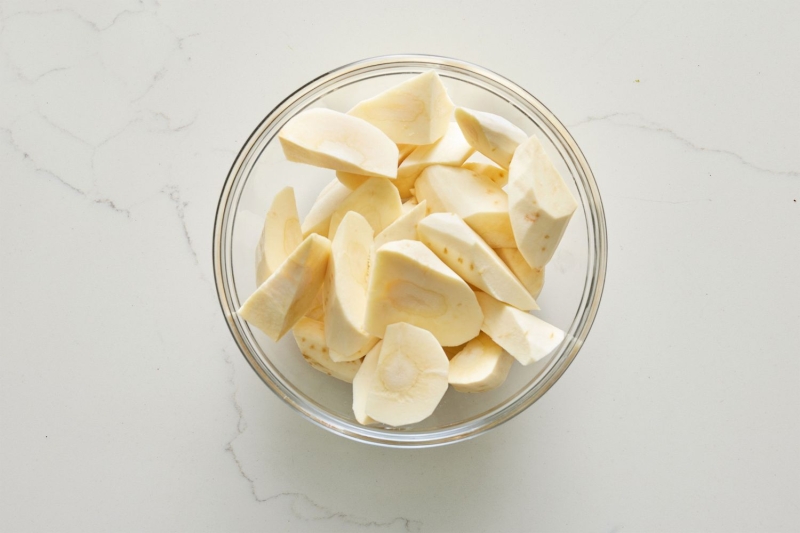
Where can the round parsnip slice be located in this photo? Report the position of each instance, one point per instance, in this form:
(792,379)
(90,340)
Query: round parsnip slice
(481,366)
(452,150)
(280,236)
(483,166)
(310,337)
(491,135)
(410,284)
(318,219)
(463,250)
(478,200)
(527,338)
(414,112)
(362,383)
(329,139)
(288,294)
(540,204)
(376,200)
(531,278)
(345,290)
(410,378)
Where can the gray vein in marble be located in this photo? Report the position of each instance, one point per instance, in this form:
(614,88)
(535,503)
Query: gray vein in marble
(648,125)
(174,194)
(83,19)
(299,500)
(158,76)
(323,513)
(54,177)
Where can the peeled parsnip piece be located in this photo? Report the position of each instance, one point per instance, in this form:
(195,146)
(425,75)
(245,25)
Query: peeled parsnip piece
(410,204)
(353,181)
(404,228)
(317,311)
(410,284)
(350,180)
(282,300)
(531,278)
(527,338)
(404,150)
(329,139)
(452,351)
(483,166)
(362,383)
(318,219)
(481,366)
(376,200)
(310,337)
(540,204)
(410,378)
(280,236)
(491,135)
(452,150)
(478,200)
(460,248)
(416,111)
(345,290)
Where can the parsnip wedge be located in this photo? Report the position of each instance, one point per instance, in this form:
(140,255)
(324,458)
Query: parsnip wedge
(531,278)
(404,228)
(410,204)
(280,236)
(460,248)
(491,135)
(362,383)
(527,338)
(481,366)
(404,150)
(310,337)
(414,112)
(478,200)
(353,181)
(410,284)
(345,290)
(376,200)
(540,204)
(452,149)
(483,166)
(410,379)
(350,180)
(329,139)
(282,300)
(318,219)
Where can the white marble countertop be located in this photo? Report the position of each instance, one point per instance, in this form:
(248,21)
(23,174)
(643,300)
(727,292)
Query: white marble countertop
(127,407)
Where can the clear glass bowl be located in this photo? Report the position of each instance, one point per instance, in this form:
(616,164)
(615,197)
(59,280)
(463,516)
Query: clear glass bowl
(573,282)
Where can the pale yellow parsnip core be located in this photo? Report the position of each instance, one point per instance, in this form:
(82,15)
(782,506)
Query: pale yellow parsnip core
(410,377)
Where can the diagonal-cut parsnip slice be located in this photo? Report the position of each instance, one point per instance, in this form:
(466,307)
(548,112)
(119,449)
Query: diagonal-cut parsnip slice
(527,338)
(282,300)
(540,204)
(410,284)
(414,112)
(455,243)
(329,139)
(280,236)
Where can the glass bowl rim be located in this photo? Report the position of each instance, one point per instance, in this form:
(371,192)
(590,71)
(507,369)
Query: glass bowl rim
(596,228)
